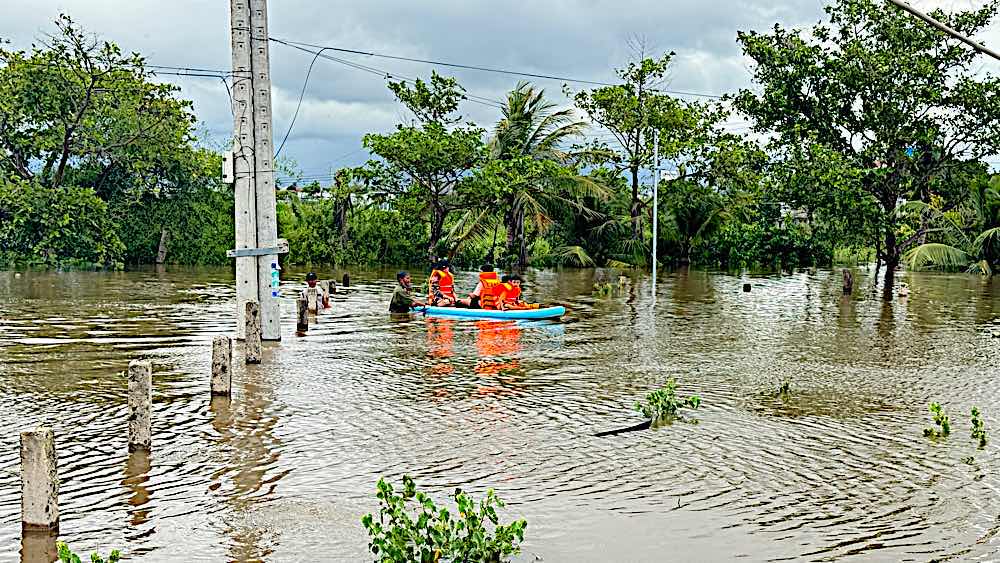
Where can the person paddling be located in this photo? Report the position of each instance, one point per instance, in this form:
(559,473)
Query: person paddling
(441,285)
(402,297)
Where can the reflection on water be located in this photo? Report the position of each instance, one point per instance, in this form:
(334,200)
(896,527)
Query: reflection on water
(284,469)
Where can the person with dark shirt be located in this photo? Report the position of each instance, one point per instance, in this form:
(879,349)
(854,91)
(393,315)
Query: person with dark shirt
(402,297)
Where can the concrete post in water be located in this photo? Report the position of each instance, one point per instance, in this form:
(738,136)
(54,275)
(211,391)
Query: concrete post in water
(747,287)
(346,282)
(312,299)
(222,366)
(140,403)
(848,282)
(39,480)
(303,323)
(252,346)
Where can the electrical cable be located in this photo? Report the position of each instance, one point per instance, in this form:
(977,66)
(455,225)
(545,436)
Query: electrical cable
(299,104)
(481,68)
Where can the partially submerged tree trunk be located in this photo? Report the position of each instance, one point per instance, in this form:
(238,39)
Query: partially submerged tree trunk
(636,207)
(161,253)
(891,255)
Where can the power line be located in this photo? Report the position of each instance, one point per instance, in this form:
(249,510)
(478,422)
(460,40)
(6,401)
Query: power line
(481,68)
(386,75)
(453,65)
(299,104)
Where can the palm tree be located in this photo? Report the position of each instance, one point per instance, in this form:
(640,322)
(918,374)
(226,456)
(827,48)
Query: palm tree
(533,128)
(975,255)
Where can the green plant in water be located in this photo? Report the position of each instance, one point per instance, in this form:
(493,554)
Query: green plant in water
(978,428)
(603,289)
(67,556)
(411,528)
(664,403)
(943,426)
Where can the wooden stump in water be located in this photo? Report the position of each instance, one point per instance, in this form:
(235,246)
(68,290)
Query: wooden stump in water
(747,287)
(252,345)
(346,282)
(222,366)
(140,405)
(39,480)
(312,299)
(303,323)
(848,282)
(161,253)
(331,287)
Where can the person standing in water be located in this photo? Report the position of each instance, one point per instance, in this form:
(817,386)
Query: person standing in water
(322,297)
(402,297)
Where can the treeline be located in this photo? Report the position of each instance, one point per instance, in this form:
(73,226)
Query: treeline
(869,131)
(97,162)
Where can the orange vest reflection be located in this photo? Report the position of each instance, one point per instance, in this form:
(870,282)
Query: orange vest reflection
(495,339)
(440,340)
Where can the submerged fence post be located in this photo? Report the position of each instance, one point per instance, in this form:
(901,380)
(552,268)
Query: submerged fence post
(747,287)
(302,324)
(39,480)
(222,366)
(312,296)
(331,287)
(346,282)
(140,403)
(848,282)
(252,345)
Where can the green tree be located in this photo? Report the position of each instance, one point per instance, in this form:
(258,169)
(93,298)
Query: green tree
(632,112)
(77,106)
(431,159)
(901,102)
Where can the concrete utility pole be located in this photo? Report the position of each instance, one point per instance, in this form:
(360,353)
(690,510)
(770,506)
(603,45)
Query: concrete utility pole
(942,27)
(257,246)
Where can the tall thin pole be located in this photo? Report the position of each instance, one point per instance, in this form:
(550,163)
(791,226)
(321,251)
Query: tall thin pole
(253,152)
(942,27)
(656,203)
(267,221)
(243,161)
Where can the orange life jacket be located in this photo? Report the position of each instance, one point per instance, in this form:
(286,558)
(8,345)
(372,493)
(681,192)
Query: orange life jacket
(446,284)
(488,297)
(509,293)
(483,276)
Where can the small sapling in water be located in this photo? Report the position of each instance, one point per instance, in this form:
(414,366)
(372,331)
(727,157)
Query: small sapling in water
(785,389)
(942,425)
(67,556)
(978,428)
(663,404)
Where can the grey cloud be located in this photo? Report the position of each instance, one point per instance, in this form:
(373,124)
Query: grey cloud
(577,38)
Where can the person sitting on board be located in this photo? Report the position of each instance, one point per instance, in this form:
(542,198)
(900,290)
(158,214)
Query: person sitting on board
(321,295)
(402,297)
(487,278)
(509,293)
(441,285)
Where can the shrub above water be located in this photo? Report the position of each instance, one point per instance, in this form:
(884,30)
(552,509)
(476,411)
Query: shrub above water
(411,528)
(664,403)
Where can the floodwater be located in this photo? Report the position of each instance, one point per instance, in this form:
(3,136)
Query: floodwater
(837,470)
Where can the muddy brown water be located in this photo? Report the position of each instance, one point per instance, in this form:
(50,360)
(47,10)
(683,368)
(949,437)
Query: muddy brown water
(838,470)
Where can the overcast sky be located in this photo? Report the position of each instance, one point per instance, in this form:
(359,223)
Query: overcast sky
(581,39)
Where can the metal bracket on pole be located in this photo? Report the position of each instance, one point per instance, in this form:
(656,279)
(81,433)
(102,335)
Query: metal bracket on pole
(282,248)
